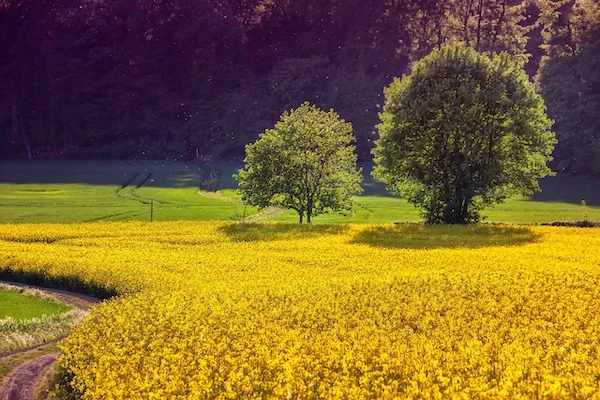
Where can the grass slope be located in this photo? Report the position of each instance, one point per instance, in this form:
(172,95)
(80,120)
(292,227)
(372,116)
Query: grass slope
(29,317)
(90,191)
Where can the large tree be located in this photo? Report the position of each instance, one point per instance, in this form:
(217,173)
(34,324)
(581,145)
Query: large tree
(570,83)
(461,132)
(306,163)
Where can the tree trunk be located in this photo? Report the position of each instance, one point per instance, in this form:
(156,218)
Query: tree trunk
(467,16)
(464,211)
(19,128)
(15,124)
(52,127)
(499,25)
(479,19)
(24,137)
(26,141)
(301,215)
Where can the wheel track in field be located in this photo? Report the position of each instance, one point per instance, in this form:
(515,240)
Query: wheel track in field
(128,190)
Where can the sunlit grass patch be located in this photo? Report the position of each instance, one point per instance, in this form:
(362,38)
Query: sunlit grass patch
(19,306)
(104,190)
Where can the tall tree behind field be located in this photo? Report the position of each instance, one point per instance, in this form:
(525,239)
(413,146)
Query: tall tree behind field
(180,78)
(486,25)
(340,53)
(153,63)
(570,83)
(117,78)
(336,54)
(23,60)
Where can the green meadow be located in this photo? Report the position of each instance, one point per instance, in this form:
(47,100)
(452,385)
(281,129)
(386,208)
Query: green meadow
(90,191)
(19,306)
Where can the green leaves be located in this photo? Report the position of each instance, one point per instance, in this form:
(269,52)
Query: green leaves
(569,81)
(462,132)
(305,162)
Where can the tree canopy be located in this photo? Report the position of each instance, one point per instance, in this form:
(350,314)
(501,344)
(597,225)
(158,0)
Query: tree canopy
(569,81)
(306,163)
(173,78)
(461,132)
(201,78)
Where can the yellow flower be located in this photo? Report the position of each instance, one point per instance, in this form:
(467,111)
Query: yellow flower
(229,311)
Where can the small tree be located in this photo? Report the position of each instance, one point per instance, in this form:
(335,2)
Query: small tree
(461,132)
(305,162)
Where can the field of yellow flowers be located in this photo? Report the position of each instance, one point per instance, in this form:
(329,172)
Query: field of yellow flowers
(241,311)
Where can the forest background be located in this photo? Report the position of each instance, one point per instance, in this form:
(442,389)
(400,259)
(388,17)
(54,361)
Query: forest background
(200,79)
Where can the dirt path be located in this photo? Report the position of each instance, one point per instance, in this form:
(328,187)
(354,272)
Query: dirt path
(266,213)
(263,214)
(219,196)
(21,383)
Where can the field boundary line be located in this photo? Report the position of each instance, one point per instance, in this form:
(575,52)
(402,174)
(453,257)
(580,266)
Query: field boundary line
(64,296)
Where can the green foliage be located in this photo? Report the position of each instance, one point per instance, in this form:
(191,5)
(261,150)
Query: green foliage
(486,25)
(184,79)
(305,163)
(461,132)
(569,81)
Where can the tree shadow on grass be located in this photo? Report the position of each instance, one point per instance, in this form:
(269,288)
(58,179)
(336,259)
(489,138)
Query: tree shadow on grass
(416,236)
(261,232)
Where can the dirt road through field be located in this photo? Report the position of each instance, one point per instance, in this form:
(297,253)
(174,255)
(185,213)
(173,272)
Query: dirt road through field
(22,381)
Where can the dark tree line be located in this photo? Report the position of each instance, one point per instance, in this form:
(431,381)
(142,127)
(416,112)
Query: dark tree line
(569,79)
(201,78)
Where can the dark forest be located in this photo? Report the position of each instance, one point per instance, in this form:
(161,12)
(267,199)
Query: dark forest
(188,79)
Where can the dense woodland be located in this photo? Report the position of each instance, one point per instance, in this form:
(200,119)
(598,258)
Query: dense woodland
(190,79)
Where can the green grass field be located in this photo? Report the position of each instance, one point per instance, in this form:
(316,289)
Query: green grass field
(89,191)
(20,307)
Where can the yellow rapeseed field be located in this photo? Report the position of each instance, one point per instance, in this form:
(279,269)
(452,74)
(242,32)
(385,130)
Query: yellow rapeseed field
(243,311)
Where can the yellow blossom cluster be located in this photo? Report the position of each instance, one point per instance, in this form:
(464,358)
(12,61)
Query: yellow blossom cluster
(242,311)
